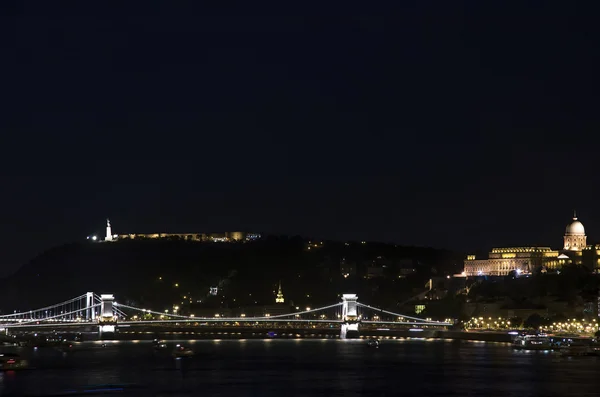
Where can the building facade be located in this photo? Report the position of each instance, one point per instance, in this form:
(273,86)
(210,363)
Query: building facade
(212,237)
(501,261)
(523,260)
(590,257)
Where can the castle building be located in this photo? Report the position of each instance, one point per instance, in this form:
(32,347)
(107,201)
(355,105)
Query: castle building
(524,260)
(590,257)
(575,238)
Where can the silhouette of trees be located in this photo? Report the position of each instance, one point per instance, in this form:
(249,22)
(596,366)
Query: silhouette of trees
(516,322)
(558,318)
(535,321)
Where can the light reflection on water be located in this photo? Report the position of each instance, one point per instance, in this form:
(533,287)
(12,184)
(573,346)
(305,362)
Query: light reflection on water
(273,367)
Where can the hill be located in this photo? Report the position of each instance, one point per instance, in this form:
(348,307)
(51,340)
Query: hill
(159,273)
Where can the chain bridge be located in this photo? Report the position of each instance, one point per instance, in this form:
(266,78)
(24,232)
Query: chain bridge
(107,314)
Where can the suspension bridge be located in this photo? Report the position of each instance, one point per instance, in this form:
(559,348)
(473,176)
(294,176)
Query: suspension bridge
(103,311)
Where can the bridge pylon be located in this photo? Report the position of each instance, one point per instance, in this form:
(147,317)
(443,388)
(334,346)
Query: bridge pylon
(107,322)
(90,313)
(350,318)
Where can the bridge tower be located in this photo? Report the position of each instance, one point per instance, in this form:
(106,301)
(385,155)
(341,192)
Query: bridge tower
(106,307)
(350,318)
(90,313)
(107,321)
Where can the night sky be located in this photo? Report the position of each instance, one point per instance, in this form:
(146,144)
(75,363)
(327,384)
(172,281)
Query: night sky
(453,124)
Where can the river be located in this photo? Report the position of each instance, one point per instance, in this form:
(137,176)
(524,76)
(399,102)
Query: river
(301,367)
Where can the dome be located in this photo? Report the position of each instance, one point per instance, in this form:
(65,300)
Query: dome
(575,228)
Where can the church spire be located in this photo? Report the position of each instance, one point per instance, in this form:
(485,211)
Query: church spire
(279,298)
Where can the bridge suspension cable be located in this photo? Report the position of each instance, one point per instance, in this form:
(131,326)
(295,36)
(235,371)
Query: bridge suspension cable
(397,314)
(150,311)
(65,303)
(69,307)
(24,323)
(300,313)
(279,316)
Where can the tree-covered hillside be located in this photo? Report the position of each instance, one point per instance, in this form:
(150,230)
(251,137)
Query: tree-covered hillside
(156,273)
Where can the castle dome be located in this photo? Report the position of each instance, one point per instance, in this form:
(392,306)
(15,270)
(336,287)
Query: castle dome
(575,228)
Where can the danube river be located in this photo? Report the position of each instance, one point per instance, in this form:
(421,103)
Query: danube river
(407,367)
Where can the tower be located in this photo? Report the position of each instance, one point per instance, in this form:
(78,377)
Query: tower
(279,298)
(350,317)
(109,236)
(107,322)
(575,238)
(90,312)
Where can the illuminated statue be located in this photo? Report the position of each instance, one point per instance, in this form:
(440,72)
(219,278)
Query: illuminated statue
(109,235)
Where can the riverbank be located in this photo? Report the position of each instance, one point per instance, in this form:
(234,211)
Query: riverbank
(321,333)
(266,333)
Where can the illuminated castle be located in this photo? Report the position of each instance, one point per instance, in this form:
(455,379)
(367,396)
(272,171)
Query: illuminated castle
(575,238)
(524,260)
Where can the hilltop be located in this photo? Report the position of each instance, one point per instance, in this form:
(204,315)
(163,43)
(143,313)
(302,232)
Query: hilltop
(161,272)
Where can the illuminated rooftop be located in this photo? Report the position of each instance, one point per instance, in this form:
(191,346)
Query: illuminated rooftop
(519,249)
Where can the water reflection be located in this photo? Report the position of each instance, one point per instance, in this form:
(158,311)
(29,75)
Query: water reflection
(307,367)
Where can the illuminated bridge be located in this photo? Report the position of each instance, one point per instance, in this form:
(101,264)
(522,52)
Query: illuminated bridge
(107,314)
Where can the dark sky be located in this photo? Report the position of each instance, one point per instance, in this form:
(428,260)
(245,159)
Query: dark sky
(450,124)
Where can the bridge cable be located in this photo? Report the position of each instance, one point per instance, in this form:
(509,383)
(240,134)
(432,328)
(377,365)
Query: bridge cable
(43,308)
(48,318)
(232,318)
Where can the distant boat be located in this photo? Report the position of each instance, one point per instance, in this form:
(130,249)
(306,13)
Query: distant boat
(182,351)
(373,343)
(579,347)
(532,342)
(10,361)
(159,344)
